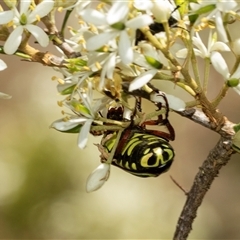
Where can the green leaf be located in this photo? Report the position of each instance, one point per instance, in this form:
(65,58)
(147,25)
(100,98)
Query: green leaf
(80,108)
(193,18)
(153,62)
(119,26)
(205,9)
(182,6)
(72,130)
(236,127)
(68,90)
(76,64)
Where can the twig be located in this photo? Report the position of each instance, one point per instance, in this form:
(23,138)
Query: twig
(217,158)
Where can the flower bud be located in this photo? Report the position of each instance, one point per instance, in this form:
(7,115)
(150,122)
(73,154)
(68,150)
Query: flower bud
(98,177)
(10,3)
(232,82)
(161,9)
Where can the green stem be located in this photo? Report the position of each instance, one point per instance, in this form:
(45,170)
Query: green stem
(236,64)
(195,69)
(67,15)
(192,104)
(220,96)
(206,75)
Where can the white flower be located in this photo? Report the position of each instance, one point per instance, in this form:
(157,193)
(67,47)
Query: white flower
(24,20)
(151,60)
(98,177)
(161,10)
(88,113)
(79,36)
(203,51)
(221,6)
(85,112)
(113,24)
(106,61)
(221,67)
(71,79)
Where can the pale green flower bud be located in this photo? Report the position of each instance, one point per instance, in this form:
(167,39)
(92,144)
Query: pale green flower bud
(10,3)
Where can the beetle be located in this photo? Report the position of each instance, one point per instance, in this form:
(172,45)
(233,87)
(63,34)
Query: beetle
(140,151)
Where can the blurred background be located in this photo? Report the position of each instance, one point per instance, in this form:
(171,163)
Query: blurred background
(43,173)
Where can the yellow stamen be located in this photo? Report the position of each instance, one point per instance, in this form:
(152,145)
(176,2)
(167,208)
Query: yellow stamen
(60,103)
(61,81)
(98,65)
(60,9)
(38,18)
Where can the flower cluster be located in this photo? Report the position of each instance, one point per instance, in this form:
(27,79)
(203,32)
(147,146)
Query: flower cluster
(119,48)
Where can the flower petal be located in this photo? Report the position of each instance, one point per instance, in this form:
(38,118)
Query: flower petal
(139,21)
(83,135)
(143,4)
(93,16)
(182,53)
(142,80)
(100,40)
(236,74)
(6,16)
(117,12)
(41,10)
(13,41)
(39,34)
(220,27)
(3,65)
(162,10)
(220,46)
(197,41)
(98,177)
(219,64)
(174,103)
(24,6)
(63,126)
(225,6)
(237,89)
(125,49)
(4,96)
